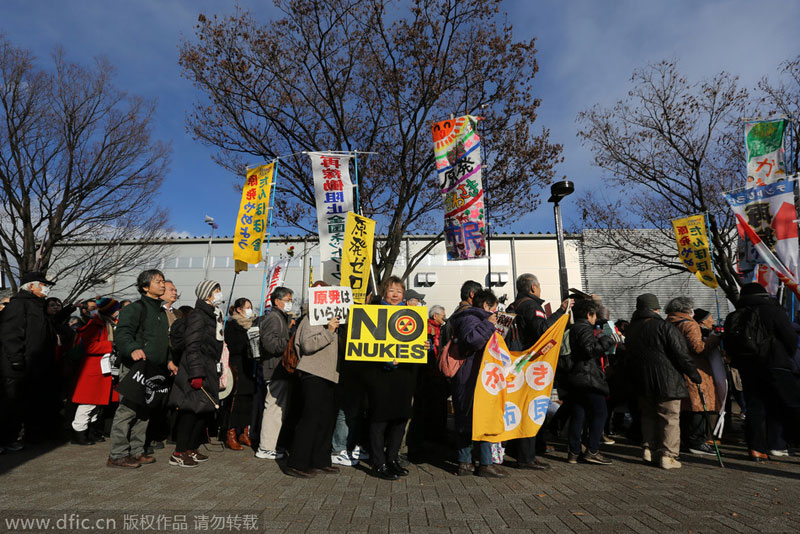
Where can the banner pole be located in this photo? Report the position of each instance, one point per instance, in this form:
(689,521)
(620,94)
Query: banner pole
(485,177)
(230,301)
(269,227)
(713,265)
(358,199)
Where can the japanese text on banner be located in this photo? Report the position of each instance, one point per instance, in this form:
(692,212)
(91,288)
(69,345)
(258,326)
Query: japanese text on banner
(763,142)
(251,223)
(387,334)
(693,249)
(512,393)
(457,149)
(357,255)
(276,277)
(334,198)
(327,302)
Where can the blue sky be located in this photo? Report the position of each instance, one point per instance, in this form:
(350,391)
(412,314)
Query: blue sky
(587,51)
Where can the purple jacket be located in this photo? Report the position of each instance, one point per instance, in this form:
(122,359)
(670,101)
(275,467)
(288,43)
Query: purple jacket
(473,330)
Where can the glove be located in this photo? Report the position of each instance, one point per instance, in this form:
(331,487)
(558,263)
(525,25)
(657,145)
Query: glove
(196,383)
(697,379)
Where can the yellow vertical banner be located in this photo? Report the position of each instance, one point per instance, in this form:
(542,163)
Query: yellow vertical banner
(251,222)
(693,250)
(512,393)
(359,238)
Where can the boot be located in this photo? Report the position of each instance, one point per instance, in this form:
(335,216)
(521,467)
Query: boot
(231,442)
(244,438)
(81,438)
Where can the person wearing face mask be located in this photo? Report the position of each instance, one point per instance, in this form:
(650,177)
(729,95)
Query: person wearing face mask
(195,393)
(27,364)
(274,331)
(93,388)
(237,407)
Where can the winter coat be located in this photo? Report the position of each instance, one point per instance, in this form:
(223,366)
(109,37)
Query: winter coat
(473,330)
(698,350)
(27,339)
(318,349)
(531,320)
(143,325)
(92,386)
(587,351)
(777,324)
(274,337)
(240,359)
(658,357)
(199,360)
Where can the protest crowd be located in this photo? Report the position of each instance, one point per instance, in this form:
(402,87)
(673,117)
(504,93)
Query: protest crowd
(142,375)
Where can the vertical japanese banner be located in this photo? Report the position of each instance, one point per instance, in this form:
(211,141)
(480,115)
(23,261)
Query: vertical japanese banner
(512,393)
(251,222)
(768,212)
(334,198)
(357,255)
(457,149)
(764,151)
(276,278)
(693,250)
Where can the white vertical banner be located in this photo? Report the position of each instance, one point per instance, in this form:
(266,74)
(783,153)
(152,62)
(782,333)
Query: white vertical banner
(276,278)
(334,198)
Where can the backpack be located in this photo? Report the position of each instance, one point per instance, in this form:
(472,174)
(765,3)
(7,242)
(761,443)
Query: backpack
(290,359)
(513,338)
(449,359)
(745,336)
(564,365)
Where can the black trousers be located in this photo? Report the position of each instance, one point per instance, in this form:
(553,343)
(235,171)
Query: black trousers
(189,428)
(311,443)
(385,439)
(428,413)
(694,430)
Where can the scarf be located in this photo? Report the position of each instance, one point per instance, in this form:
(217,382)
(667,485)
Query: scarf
(244,322)
(220,323)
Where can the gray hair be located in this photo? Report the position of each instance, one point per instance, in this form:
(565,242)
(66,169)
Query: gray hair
(525,281)
(279,292)
(434,310)
(28,286)
(680,305)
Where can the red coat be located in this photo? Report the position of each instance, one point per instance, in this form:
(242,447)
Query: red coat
(93,387)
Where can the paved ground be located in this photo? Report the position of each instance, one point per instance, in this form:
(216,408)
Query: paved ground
(236,492)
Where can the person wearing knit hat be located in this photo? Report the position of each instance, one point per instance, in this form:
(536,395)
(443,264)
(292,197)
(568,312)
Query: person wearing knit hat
(647,301)
(205,289)
(93,389)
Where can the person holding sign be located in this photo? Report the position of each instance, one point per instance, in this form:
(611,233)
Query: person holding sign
(389,390)
(472,327)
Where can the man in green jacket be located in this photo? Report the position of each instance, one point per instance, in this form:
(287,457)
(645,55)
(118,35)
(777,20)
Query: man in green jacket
(142,334)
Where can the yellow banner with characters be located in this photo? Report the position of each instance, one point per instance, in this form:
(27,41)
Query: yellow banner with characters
(693,248)
(387,334)
(512,393)
(359,236)
(251,223)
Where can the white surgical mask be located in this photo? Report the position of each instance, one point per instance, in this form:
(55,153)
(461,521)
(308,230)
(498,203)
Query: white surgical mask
(93,313)
(217,299)
(287,307)
(45,289)
(248,312)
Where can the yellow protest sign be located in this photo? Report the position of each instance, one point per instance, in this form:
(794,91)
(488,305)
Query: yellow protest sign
(251,223)
(693,249)
(387,334)
(512,393)
(359,236)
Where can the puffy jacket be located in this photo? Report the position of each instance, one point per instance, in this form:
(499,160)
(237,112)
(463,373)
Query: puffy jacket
(199,360)
(777,324)
(27,338)
(473,330)
(531,320)
(587,350)
(658,357)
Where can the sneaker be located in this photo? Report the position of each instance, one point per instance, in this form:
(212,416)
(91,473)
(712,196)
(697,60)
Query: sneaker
(359,454)
(343,458)
(647,456)
(14,446)
(197,456)
(776,453)
(607,440)
(269,454)
(703,450)
(182,459)
(596,458)
(573,458)
(668,462)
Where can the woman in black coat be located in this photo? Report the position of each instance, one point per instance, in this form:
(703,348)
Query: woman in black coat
(196,390)
(237,407)
(587,383)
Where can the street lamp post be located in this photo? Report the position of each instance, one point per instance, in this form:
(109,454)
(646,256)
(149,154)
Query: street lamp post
(558,191)
(209,221)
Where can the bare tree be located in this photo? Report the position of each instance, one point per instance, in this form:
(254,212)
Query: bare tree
(371,75)
(670,148)
(77,163)
(783,98)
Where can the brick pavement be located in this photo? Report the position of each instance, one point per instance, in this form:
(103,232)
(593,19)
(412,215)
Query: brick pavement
(627,496)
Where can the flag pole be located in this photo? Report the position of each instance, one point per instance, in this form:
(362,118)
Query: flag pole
(360,211)
(485,177)
(271,209)
(713,265)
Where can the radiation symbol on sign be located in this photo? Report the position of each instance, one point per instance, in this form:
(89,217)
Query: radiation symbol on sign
(406,325)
